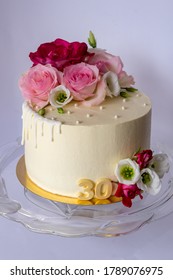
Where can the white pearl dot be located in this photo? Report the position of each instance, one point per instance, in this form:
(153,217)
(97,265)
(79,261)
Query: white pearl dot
(77,122)
(52,118)
(123,108)
(116,117)
(144,104)
(68,112)
(124,100)
(75,105)
(101,107)
(88,115)
(50,109)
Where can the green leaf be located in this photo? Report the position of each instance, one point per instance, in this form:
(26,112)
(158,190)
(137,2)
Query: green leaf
(131,89)
(124,94)
(134,155)
(137,151)
(92,40)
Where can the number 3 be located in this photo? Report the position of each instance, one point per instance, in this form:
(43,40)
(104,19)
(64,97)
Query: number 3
(87,186)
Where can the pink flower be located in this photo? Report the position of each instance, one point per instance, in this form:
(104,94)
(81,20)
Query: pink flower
(143,158)
(98,97)
(60,53)
(105,61)
(125,81)
(127,192)
(37,83)
(81,79)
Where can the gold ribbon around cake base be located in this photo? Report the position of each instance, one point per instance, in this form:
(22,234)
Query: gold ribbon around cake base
(30,185)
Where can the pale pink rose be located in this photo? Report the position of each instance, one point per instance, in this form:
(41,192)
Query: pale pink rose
(37,83)
(125,81)
(81,79)
(105,61)
(99,95)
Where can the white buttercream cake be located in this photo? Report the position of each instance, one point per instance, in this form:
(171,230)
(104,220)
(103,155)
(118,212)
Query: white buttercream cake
(86,130)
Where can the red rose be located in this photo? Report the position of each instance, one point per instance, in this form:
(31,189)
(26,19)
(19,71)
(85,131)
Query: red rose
(60,53)
(143,158)
(127,192)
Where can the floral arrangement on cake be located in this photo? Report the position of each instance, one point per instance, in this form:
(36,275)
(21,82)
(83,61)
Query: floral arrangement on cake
(63,71)
(140,174)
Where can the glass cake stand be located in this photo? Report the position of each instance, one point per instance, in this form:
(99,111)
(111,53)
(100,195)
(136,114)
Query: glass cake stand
(46,216)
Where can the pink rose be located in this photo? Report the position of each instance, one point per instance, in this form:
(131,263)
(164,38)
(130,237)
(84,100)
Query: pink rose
(143,158)
(127,192)
(60,53)
(98,97)
(37,83)
(125,81)
(105,61)
(81,79)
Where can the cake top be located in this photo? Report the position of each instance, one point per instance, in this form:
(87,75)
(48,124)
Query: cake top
(64,72)
(110,112)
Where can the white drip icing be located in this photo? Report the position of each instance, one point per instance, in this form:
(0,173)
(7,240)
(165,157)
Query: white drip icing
(31,123)
(52,132)
(42,129)
(35,133)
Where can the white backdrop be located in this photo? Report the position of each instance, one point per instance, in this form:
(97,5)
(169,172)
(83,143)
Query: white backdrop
(140,32)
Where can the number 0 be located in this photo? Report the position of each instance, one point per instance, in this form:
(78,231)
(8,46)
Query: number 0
(103,188)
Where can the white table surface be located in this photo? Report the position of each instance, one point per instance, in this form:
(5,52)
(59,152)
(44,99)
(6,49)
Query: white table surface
(139,31)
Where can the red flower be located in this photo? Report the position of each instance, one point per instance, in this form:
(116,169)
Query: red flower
(143,158)
(127,192)
(60,53)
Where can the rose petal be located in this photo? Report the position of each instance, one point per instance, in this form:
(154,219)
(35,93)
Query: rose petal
(127,201)
(98,96)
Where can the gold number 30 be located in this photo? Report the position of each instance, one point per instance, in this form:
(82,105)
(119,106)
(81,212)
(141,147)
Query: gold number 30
(102,189)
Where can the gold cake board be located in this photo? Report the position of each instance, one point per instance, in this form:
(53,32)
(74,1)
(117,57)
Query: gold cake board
(30,185)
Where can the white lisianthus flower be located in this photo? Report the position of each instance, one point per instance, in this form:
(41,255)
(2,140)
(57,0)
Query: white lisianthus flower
(112,84)
(160,164)
(59,96)
(127,171)
(149,181)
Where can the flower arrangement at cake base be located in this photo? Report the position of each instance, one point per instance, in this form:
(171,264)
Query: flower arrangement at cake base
(136,176)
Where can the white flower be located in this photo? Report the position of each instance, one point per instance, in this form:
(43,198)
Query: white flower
(59,96)
(160,164)
(112,84)
(127,171)
(149,181)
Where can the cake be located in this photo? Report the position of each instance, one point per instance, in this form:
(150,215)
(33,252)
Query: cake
(86,129)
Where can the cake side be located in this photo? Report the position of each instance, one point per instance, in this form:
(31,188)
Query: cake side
(58,154)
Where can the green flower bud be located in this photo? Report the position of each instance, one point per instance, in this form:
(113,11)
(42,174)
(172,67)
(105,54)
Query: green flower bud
(60,110)
(41,112)
(92,40)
